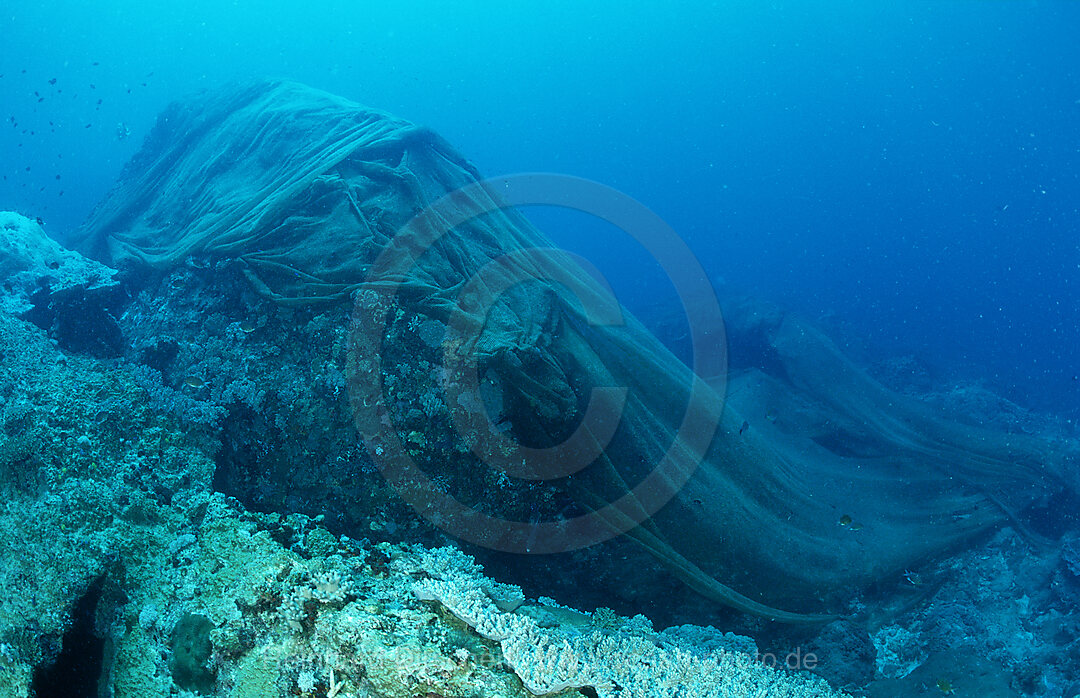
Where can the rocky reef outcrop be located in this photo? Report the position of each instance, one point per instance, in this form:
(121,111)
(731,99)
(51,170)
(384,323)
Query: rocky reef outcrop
(124,572)
(73,298)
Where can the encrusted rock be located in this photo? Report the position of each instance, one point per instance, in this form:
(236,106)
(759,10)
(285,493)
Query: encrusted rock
(70,296)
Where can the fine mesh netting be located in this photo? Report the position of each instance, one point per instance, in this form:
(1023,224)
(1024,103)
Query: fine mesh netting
(309,192)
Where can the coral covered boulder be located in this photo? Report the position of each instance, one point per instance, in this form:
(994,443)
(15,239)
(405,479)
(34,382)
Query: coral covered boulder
(60,290)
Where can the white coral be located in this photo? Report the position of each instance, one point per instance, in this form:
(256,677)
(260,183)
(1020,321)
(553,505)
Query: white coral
(550,660)
(328,588)
(324,588)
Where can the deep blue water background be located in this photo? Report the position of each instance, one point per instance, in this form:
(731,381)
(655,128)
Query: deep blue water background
(908,171)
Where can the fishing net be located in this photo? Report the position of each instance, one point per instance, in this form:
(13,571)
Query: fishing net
(812,482)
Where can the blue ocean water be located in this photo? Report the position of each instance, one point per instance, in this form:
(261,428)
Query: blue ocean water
(907,171)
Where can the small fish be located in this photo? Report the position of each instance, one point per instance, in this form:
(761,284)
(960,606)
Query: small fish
(845,520)
(247,326)
(744,427)
(194,382)
(913,578)
(52,81)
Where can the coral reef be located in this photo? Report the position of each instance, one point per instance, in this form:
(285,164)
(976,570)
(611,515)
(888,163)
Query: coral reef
(1005,603)
(202,513)
(112,527)
(549,656)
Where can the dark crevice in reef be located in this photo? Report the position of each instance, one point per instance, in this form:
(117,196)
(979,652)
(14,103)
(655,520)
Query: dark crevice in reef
(233,462)
(77,669)
(269,472)
(81,320)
